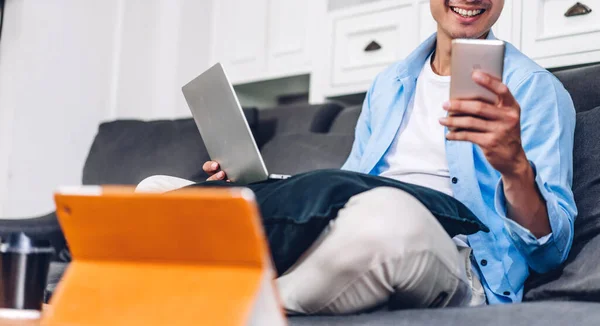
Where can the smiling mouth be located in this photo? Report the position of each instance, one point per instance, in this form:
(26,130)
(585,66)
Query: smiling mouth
(467,13)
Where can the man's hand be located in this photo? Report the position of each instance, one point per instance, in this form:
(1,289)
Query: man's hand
(213,169)
(496,128)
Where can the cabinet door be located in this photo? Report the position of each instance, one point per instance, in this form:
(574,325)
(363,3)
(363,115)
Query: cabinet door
(239,38)
(366,43)
(548,32)
(288,37)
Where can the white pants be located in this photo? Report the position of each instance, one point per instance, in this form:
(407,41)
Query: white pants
(384,244)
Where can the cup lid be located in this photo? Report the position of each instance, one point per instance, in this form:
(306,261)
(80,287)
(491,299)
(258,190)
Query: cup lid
(20,242)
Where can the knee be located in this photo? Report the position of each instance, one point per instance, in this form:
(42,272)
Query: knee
(389,220)
(161,184)
(150,184)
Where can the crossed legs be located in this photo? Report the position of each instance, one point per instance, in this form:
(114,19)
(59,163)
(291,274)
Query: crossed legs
(384,244)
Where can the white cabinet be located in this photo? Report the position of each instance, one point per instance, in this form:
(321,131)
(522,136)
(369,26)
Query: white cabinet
(262,39)
(553,39)
(393,28)
(508,26)
(289,36)
(344,49)
(365,44)
(363,41)
(539,28)
(239,37)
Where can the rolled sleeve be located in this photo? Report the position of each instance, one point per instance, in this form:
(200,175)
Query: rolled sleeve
(547,132)
(545,253)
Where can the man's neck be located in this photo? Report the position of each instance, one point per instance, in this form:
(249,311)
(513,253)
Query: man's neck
(441,63)
(441,57)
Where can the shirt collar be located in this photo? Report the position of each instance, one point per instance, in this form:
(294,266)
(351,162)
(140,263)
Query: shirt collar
(412,65)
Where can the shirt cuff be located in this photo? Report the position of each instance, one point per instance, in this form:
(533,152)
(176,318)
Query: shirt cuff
(516,229)
(546,252)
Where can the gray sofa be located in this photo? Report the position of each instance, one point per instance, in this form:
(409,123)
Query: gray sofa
(301,138)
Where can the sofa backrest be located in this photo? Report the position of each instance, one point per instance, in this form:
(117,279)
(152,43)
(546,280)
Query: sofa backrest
(345,122)
(128,151)
(326,146)
(292,119)
(303,152)
(583,84)
(579,277)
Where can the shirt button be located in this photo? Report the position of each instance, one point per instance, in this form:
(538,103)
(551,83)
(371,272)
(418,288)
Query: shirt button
(483,262)
(454,180)
(506,293)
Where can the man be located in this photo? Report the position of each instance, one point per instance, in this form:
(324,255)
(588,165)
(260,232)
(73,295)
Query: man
(509,162)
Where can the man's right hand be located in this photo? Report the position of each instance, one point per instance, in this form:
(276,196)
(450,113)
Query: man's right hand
(213,169)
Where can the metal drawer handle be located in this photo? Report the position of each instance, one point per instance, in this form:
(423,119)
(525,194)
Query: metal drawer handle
(578,9)
(373,46)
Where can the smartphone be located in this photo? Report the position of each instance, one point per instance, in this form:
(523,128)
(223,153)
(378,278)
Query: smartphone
(469,55)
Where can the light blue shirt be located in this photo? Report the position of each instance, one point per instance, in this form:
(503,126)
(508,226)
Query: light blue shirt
(505,254)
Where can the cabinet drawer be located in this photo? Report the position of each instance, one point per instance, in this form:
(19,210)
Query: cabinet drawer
(367,43)
(547,32)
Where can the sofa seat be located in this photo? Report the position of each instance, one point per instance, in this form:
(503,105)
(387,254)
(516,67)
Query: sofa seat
(543,313)
(529,314)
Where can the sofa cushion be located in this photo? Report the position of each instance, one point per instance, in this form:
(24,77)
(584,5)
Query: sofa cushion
(583,85)
(530,314)
(579,278)
(298,153)
(325,117)
(289,119)
(128,151)
(345,122)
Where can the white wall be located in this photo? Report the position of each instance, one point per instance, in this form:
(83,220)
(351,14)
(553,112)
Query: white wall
(67,65)
(164,44)
(55,69)
(339,4)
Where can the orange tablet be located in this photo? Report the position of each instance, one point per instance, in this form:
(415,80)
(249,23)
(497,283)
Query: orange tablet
(192,257)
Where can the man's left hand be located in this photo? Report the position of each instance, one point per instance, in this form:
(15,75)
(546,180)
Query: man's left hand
(496,128)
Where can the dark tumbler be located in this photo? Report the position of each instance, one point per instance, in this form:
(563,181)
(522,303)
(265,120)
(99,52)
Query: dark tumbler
(24,266)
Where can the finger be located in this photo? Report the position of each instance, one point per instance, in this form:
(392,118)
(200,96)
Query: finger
(478,138)
(466,122)
(210,167)
(217,176)
(473,108)
(494,85)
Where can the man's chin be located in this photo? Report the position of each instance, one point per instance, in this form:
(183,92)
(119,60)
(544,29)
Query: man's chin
(469,34)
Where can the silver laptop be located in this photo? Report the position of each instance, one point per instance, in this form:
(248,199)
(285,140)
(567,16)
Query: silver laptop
(223,126)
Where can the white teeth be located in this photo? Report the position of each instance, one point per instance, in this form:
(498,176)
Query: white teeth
(467,13)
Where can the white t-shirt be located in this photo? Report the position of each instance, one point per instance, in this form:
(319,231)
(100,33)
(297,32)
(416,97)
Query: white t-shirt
(418,154)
